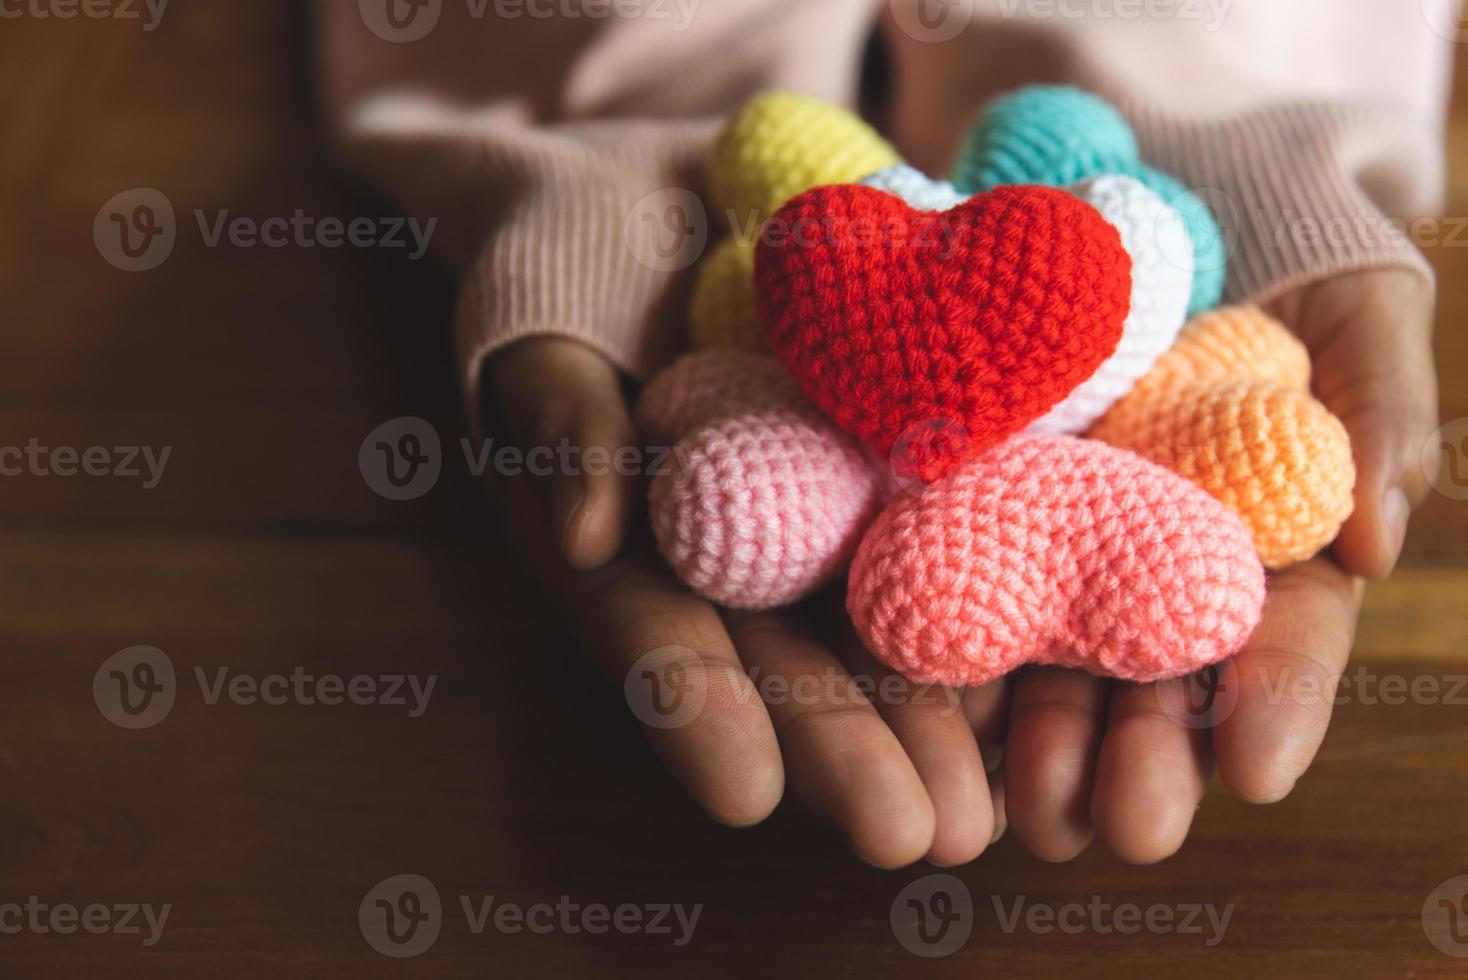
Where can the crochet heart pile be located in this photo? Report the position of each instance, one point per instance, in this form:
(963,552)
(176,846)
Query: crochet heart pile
(937,349)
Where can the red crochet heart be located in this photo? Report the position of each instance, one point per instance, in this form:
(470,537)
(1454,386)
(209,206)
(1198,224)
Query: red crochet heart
(932,336)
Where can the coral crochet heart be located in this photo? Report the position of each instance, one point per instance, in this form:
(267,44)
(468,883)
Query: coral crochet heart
(1053,549)
(932,336)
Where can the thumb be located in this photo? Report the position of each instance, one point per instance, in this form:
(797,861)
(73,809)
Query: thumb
(562,404)
(1370,337)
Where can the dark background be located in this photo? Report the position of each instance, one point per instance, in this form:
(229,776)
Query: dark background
(263,549)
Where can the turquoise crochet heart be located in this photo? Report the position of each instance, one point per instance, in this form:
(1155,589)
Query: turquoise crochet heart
(1056,135)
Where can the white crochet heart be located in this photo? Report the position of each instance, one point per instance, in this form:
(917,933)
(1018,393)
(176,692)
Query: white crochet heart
(1156,237)
(916,188)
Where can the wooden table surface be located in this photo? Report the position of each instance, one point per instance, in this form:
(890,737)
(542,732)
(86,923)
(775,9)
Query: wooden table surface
(266,829)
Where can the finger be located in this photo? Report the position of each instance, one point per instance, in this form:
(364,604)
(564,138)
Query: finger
(1370,339)
(996,794)
(987,710)
(1150,776)
(1286,681)
(563,406)
(842,759)
(670,654)
(930,723)
(641,626)
(1050,758)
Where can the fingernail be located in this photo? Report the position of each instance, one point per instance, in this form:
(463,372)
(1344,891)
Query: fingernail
(568,498)
(1398,511)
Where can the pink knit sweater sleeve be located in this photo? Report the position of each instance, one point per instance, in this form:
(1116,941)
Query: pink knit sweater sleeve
(1313,128)
(555,140)
(559,141)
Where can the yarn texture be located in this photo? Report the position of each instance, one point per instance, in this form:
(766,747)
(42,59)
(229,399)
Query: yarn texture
(705,385)
(1057,550)
(1056,136)
(1229,408)
(782,143)
(722,311)
(916,188)
(1064,133)
(777,145)
(1155,237)
(1210,251)
(762,500)
(1162,274)
(933,336)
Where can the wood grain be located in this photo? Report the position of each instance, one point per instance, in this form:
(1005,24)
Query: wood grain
(263,551)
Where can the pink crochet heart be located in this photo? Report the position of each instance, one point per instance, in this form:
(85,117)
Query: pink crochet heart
(1051,549)
(706,385)
(763,500)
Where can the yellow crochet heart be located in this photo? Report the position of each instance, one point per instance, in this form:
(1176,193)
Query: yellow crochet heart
(722,312)
(783,143)
(778,145)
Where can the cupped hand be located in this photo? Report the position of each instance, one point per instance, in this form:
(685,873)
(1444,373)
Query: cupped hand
(1129,763)
(902,775)
(781,697)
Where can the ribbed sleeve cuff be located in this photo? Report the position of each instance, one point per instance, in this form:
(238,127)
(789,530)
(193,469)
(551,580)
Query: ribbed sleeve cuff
(593,247)
(1294,189)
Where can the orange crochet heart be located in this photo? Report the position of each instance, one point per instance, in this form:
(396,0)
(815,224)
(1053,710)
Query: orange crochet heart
(934,335)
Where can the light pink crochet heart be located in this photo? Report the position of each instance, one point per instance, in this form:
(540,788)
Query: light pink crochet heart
(706,385)
(763,499)
(1051,549)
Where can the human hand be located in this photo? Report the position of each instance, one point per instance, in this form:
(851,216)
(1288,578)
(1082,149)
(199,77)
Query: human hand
(900,776)
(1090,758)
